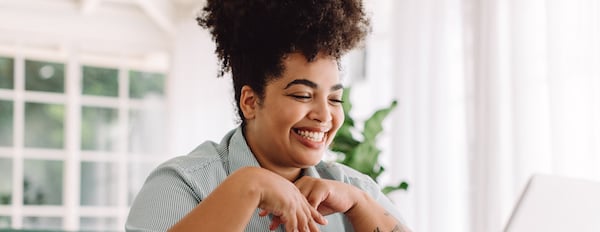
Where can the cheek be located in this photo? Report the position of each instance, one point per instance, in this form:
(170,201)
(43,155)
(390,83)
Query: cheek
(338,117)
(288,115)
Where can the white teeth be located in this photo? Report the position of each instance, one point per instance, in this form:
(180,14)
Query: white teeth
(311,135)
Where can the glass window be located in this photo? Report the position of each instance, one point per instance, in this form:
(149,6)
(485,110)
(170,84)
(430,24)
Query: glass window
(42,223)
(100,81)
(43,182)
(98,224)
(146,84)
(99,128)
(5,222)
(6,123)
(44,125)
(137,173)
(44,76)
(7,73)
(5,181)
(146,131)
(99,184)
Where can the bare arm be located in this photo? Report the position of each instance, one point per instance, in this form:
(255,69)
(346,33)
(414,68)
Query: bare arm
(231,205)
(368,215)
(362,210)
(228,208)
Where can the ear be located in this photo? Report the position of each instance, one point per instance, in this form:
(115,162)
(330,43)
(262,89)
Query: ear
(248,102)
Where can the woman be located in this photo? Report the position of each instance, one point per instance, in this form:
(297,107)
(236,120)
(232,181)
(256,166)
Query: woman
(267,174)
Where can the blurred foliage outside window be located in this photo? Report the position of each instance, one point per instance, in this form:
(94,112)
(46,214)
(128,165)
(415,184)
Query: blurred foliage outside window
(6,123)
(100,81)
(5,222)
(43,182)
(6,73)
(44,125)
(98,128)
(143,84)
(5,182)
(44,76)
(98,184)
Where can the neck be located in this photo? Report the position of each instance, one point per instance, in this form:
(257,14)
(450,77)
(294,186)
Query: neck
(289,173)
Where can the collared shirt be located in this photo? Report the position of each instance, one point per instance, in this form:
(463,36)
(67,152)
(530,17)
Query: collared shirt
(174,188)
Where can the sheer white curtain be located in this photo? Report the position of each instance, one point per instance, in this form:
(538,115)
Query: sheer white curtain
(491,92)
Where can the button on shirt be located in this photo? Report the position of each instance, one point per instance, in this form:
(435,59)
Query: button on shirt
(174,188)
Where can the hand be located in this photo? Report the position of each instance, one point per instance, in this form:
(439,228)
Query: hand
(282,199)
(365,214)
(328,196)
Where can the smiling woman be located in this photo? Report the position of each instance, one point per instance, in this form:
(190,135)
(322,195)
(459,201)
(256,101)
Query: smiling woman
(267,174)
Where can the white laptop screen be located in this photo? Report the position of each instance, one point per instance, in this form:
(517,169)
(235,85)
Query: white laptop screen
(553,204)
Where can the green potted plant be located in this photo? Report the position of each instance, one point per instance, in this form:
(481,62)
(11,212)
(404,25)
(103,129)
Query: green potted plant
(363,154)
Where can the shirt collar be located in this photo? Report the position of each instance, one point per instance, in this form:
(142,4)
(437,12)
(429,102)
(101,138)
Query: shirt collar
(239,153)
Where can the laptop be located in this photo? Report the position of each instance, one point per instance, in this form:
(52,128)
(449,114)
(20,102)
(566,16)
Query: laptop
(553,204)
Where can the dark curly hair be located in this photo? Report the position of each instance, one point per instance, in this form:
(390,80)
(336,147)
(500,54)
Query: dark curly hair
(254,36)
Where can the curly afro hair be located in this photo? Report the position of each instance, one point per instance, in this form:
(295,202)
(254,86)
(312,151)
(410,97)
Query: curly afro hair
(254,36)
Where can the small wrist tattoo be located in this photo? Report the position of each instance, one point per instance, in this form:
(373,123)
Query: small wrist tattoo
(395,229)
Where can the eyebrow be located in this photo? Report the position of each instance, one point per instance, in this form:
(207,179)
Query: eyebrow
(310,84)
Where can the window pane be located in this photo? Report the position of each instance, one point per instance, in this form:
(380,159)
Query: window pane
(5,181)
(147,131)
(98,128)
(137,174)
(99,184)
(100,81)
(144,84)
(42,182)
(99,224)
(44,125)
(44,76)
(6,123)
(42,223)
(7,73)
(5,222)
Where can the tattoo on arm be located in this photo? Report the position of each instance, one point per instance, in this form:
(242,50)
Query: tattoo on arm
(395,229)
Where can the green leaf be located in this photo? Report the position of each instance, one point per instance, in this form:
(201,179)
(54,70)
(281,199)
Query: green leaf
(344,144)
(364,158)
(347,105)
(402,186)
(373,125)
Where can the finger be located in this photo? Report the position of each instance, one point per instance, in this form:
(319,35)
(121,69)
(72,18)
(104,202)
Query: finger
(318,217)
(290,221)
(316,196)
(263,213)
(275,222)
(313,226)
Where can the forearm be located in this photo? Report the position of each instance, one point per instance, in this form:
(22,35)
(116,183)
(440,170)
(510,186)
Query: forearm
(228,208)
(368,215)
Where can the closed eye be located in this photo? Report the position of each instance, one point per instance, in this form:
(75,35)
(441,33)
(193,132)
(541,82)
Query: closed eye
(337,101)
(300,97)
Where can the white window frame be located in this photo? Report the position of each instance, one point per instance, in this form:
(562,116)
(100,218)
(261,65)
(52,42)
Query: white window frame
(71,211)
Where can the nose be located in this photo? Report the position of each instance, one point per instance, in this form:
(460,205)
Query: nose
(321,111)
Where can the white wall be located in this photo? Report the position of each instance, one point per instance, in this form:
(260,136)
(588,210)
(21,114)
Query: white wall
(201,106)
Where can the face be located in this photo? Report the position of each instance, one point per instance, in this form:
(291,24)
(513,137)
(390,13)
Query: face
(299,115)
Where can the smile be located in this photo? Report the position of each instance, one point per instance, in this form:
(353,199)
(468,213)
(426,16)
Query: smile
(315,136)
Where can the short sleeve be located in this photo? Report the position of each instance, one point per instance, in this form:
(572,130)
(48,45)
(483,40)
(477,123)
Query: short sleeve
(165,198)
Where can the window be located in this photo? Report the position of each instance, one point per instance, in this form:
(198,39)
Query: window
(77,140)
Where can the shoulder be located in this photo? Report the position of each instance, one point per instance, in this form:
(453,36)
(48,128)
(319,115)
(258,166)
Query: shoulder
(201,170)
(207,156)
(202,157)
